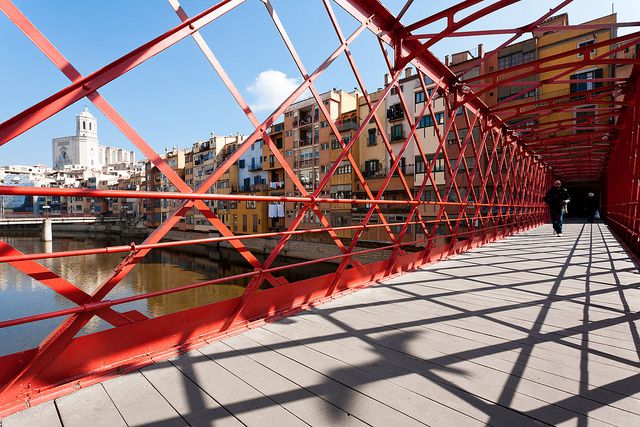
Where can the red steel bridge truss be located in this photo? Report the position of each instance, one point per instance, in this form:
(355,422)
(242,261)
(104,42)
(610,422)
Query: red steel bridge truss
(512,168)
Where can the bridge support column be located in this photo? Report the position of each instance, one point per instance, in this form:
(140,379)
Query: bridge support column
(47,233)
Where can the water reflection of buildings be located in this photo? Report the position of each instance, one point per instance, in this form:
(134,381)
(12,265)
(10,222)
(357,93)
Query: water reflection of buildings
(159,269)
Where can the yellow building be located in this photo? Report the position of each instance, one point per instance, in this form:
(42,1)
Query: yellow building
(552,43)
(341,184)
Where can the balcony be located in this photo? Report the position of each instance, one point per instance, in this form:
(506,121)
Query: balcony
(277,185)
(307,163)
(305,142)
(346,125)
(395,112)
(255,168)
(304,120)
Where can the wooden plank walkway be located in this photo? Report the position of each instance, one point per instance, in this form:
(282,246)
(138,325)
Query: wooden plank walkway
(531,330)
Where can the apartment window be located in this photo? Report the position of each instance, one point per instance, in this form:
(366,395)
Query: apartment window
(419,165)
(514,92)
(471,163)
(515,59)
(419,97)
(371,167)
(427,121)
(584,44)
(344,168)
(241,163)
(395,112)
(402,166)
(324,124)
(324,146)
(396,132)
(289,153)
(288,133)
(244,223)
(335,144)
(428,196)
(371,138)
(439,163)
(256,222)
(586,85)
(394,91)
(583,117)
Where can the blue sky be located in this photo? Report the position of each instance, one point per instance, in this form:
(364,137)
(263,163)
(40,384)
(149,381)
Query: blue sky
(176,98)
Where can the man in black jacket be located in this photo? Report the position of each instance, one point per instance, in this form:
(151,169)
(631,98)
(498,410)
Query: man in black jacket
(557,198)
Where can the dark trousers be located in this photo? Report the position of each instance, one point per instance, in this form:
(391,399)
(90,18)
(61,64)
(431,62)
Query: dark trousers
(556,220)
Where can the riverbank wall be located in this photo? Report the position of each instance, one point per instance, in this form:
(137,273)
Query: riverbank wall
(295,249)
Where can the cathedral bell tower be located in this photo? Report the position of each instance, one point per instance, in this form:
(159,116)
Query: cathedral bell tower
(86,124)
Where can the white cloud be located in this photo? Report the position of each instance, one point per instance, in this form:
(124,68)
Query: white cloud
(270,89)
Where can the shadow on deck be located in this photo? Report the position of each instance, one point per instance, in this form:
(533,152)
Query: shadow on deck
(530,330)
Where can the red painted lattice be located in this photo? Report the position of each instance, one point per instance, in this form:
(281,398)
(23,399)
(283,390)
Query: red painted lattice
(511,171)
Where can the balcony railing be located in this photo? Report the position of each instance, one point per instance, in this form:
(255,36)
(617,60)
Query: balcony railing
(305,142)
(253,188)
(347,125)
(308,163)
(395,112)
(276,185)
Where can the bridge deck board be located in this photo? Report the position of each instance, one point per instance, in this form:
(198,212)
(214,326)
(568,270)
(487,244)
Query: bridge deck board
(532,329)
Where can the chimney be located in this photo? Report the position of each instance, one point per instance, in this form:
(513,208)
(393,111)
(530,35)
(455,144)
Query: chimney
(446,60)
(387,79)
(407,72)
(480,50)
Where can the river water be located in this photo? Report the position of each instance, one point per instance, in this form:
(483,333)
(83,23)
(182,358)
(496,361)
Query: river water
(20,295)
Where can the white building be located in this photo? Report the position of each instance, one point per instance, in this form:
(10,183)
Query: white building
(84,149)
(251,177)
(21,175)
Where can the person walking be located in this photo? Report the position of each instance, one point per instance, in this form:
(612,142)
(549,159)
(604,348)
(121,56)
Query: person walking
(557,198)
(591,205)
